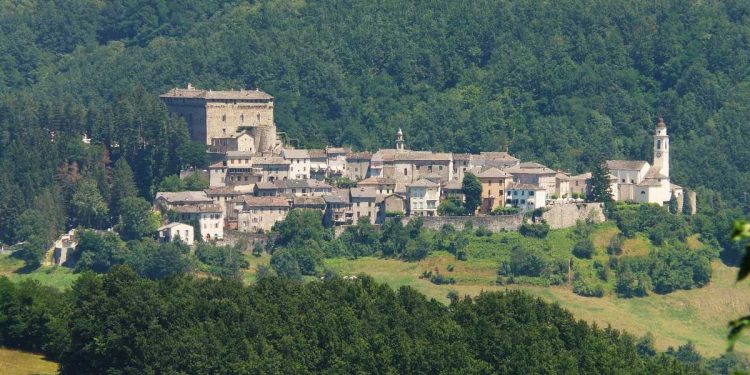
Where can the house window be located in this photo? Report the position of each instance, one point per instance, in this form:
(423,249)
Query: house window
(242,118)
(531,193)
(405,172)
(224,118)
(623,180)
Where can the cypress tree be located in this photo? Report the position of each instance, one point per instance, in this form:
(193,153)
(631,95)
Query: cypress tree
(472,189)
(600,187)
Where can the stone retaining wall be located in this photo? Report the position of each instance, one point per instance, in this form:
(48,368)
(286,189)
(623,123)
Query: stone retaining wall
(566,215)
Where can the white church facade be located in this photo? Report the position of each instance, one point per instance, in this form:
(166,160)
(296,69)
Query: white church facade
(638,181)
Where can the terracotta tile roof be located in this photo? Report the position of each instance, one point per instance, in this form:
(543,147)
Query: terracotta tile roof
(655,172)
(363,192)
(193,93)
(251,201)
(520,186)
(224,190)
(374,181)
(583,176)
(296,154)
(316,153)
(309,201)
(462,157)
(493,173)
(530,168)
(453,185)
(270,160)
(184,197)
(197,208)
(422,156)
(359,156)
(423,183)
(338,150)
(632,165)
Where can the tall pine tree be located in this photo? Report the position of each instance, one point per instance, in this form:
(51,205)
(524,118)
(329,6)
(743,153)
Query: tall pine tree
(472,189)
(601,190)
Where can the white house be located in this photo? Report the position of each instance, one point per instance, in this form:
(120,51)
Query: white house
(424,197)
(299,163)
(526,197)
(177,231)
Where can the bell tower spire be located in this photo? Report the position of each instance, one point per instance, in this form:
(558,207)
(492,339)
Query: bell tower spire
(661,147)
(400,140)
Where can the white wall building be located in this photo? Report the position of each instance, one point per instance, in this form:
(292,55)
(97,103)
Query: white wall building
(526,197)
(177,231)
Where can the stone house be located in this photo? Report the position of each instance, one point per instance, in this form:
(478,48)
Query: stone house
(562,182)
(364,202)
(336,159)
(177,231)
(309,203)
(223,196)
(461,163)
(241,142)
(393,204)
(271,168)
(423,198)
(210,218)
(259,214)
(300,188)
(338,210)
(487,160)
(580,184)
(494,183)
(318,164)
(358,165)
(411,166)
(383,185)
(452,189)
(194,206)
(530,173)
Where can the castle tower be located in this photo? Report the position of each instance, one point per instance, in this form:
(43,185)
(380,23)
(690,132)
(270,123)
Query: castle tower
(661,147)
(400,140)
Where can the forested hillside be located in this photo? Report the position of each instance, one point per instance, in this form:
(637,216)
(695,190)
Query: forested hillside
(119,323)
(560,82)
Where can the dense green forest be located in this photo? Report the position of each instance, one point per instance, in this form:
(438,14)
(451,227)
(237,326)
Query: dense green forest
(120,323)
(564,83)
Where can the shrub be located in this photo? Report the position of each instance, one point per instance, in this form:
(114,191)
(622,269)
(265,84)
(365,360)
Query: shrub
(587,288)
(615,245)
(505,211)
(583,249)
(441,280)
(450,268)
(482,231)
(534,230)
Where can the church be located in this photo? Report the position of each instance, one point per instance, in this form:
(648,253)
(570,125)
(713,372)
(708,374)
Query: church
(639,181)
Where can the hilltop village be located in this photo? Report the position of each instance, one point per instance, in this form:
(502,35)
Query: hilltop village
(256,177)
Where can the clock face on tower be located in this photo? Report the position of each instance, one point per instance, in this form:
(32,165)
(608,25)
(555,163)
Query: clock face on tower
(658,154)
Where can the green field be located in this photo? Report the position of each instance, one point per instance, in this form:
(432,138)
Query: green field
(54,276)
(14,362)
(698,315)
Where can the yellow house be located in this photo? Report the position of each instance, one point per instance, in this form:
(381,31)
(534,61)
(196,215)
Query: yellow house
(494,183)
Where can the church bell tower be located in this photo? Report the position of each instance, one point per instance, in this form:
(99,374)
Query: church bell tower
(400,140)
(661,147)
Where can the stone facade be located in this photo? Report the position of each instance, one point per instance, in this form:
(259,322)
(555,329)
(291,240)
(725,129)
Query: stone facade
(566,215)
(220,114)
(492,223)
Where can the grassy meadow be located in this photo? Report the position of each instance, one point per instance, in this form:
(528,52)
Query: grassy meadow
(14,362)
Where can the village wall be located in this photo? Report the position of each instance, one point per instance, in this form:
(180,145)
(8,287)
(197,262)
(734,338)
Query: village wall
(566,215)
(233,237)
(499,223)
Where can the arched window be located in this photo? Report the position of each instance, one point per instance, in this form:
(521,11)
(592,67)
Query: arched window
(658,144)
(242,118)
(224,118)
(406,172)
